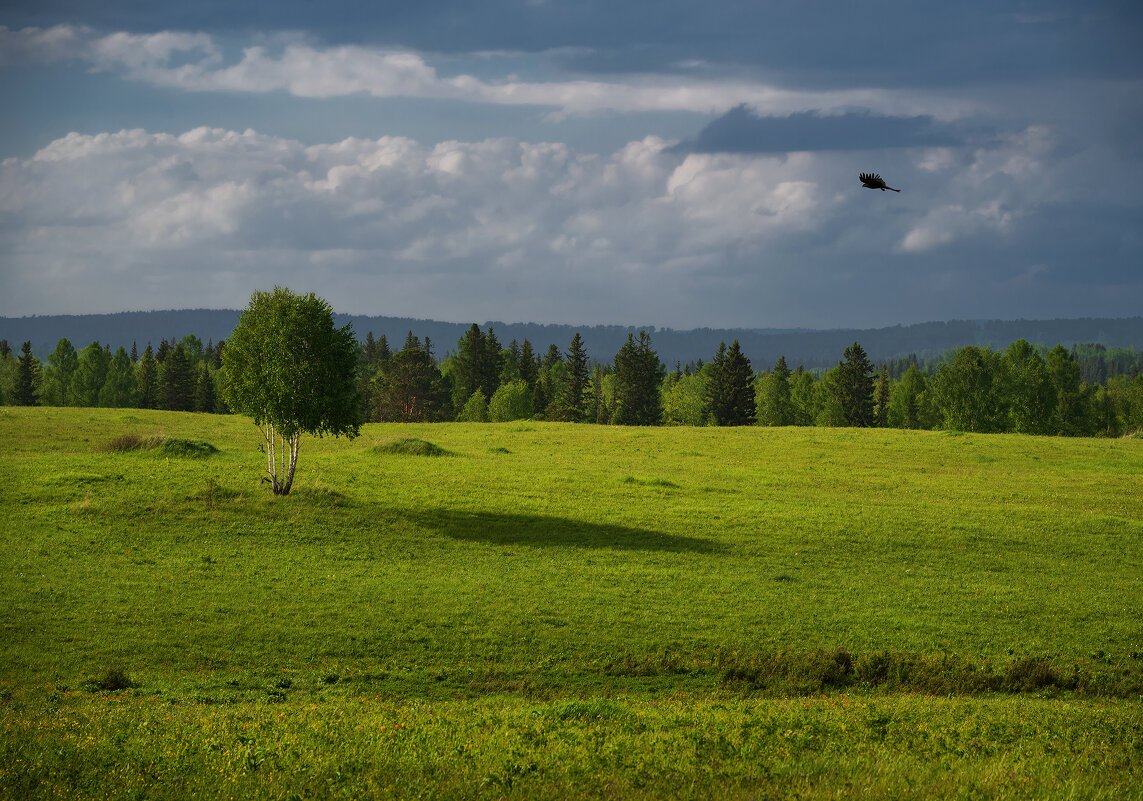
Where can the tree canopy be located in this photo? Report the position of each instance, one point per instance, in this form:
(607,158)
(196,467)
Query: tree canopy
(290,369)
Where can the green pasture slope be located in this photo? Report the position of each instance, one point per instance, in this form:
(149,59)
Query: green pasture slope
(539,610)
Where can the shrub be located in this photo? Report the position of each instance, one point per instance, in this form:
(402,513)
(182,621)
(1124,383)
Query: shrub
(410,446)
(113,680)
(164,446)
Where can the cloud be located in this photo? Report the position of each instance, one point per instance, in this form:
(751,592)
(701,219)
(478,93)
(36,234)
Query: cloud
(742,130)
(40,45)
(124,205)
(506,229)
(195,62)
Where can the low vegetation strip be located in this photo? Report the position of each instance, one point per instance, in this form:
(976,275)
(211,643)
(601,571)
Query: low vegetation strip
(600,610)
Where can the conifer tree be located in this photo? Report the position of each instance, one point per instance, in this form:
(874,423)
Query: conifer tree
(527,364)
(571,405)
(469,365)
(409,387)
(147,379)
(27,378)
(177,381)
(730,388)
(853,387)
(638,380)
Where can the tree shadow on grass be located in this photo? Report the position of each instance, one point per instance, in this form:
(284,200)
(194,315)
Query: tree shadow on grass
(539,531)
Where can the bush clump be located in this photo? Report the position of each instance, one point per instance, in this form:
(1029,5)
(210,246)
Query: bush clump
(113,680)
(164,446)
(411,446)
(131,442)
(185,448)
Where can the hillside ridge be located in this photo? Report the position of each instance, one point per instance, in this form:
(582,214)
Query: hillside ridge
(810,348)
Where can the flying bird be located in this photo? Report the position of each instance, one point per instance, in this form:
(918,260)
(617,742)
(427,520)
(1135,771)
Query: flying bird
(871,180)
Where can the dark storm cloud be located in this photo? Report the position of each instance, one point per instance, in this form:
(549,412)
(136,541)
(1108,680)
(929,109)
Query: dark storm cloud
(742,131)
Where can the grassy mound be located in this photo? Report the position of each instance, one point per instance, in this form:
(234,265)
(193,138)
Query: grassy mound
(411,446)
(163,446)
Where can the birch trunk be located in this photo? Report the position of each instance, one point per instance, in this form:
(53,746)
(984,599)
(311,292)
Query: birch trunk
(293,442)
(271,457)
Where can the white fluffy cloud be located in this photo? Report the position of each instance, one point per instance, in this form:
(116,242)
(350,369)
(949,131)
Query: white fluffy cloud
(505,229)
(215,211)
(195,62)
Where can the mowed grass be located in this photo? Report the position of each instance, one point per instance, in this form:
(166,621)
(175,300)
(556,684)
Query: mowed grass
(567,611)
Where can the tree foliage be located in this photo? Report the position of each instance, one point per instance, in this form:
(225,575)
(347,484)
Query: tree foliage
(638,376)
(730,389)
(290,369)
(27,390)
(853,387)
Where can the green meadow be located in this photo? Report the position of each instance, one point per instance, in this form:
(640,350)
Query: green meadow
(536,610)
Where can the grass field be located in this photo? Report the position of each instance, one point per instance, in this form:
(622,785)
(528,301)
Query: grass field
(541,610)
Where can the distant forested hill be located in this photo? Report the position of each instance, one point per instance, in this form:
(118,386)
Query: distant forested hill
(808,348)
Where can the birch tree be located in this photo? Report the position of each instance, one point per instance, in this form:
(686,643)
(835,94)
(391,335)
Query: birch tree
(289,368)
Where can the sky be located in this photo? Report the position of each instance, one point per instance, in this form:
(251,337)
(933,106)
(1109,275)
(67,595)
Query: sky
(668,163)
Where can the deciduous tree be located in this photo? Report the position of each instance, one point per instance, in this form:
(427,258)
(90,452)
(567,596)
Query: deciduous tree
(290,369)
(59,373)
(119,390)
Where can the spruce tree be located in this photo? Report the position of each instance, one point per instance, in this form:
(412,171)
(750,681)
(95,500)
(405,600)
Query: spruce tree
(853,389)
(468,365)
(638,382)
(409,387)
(147,379)
(527,363)
(572,403)
(370,350)
(176,381)
(27,378)
(492,364)
(730,388)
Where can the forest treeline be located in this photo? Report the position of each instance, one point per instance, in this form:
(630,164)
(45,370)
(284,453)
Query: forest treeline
(1088,390)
